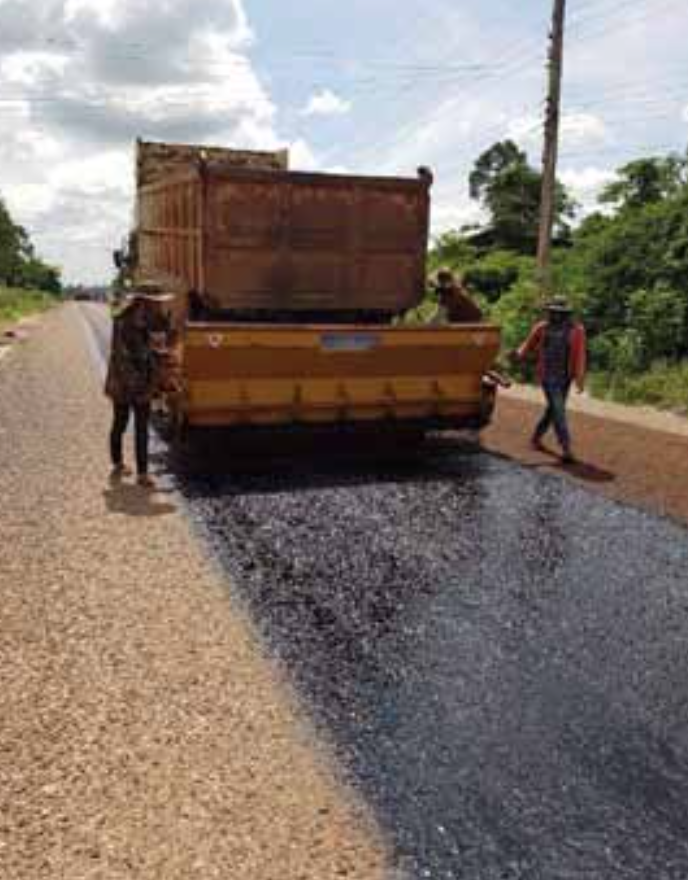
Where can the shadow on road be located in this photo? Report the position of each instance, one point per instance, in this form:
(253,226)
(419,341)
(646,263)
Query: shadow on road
(581,470)
(128,500)
(590,473)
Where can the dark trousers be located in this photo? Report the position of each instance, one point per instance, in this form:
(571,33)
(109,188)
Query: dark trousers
(120,421)
(556,395)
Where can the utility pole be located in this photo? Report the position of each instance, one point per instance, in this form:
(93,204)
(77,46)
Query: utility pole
(551,151)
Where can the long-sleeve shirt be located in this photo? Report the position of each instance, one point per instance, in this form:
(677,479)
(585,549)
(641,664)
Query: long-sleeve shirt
(134,364)
(550,367)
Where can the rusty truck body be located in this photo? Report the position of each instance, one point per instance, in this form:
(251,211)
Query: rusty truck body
(286,289)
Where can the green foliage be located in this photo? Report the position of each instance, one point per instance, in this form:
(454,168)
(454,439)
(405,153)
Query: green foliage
(422,314)
(646,181)
(19,265)
(625,272)
(510,190)
(659,318)
(618,351)
(516,312)
(664,386)
(40,276)
(12,246)
(16,304)
(495,273)
(453,251)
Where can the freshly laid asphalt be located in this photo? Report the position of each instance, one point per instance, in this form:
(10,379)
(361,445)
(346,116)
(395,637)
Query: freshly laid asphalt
(498,658)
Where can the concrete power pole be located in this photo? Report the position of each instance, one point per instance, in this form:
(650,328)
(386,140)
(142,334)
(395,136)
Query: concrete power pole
(551,152)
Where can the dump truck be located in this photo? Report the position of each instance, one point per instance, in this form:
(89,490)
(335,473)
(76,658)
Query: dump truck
(289,287)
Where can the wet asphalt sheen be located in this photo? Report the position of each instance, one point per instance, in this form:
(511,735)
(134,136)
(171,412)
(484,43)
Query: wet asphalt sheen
(498,658)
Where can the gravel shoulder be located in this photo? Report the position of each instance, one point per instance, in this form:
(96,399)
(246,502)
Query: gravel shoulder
(642,416)
(143,732)
(639,457)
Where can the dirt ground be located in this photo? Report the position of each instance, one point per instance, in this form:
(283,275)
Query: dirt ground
(624,460)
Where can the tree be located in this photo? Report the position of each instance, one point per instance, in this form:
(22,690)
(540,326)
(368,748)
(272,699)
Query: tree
(659,318)
(643,249)
(19,264)
(496,272)
(12,244)
(451,250)
(510,190)
(646,181)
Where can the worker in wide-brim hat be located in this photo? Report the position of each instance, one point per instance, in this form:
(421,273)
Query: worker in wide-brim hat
(132,372)
(559,343)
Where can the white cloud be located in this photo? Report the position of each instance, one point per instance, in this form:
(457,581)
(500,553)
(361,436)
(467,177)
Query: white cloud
(447,214)
(100,174)
(302,157)
(30,68)
(85,78)
(583,128)
(30,199)
(577,129)
(585,184)
(326,103)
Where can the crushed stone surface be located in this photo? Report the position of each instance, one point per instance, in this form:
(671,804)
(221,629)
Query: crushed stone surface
(143,732)
(637,458)
(648,417)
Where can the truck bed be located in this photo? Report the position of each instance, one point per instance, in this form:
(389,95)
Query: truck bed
(261,241)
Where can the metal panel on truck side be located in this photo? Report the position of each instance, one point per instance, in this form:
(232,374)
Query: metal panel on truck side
(170,232)
(315,242)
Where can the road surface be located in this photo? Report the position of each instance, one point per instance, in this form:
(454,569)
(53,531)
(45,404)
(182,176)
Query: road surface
(494,658)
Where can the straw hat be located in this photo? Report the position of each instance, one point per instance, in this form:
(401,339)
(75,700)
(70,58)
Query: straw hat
(149,291)
(442,278)
(559,304)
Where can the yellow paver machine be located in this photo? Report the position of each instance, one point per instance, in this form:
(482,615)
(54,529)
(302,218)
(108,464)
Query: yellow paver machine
(287,289)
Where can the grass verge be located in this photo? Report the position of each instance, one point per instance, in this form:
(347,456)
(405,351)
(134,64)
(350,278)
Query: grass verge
(664,386)
(15,304)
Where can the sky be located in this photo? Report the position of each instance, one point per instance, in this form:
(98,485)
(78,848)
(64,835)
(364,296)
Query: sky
(366,86)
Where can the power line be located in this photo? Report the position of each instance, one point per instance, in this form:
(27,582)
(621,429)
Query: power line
(498,75)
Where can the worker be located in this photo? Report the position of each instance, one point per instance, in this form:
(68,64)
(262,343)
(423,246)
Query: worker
(131,378)
(455,304)
(559,343)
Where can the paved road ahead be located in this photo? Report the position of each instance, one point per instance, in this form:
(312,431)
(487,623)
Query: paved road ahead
(499,658)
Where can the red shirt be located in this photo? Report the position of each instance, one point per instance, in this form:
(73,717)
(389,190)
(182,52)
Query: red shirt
(578,359)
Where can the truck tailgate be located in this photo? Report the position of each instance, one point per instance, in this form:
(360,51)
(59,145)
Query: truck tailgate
(269,374)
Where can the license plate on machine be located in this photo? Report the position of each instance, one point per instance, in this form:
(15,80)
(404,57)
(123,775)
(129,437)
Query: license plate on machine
(337,342)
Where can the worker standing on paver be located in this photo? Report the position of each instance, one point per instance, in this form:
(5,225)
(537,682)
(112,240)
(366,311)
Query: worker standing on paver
(455,304)
(560,346)
(132,374)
